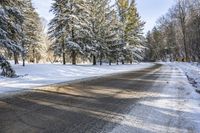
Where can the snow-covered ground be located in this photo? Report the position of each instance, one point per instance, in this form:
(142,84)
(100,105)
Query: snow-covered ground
(173,108)
(35,75)
(192,71)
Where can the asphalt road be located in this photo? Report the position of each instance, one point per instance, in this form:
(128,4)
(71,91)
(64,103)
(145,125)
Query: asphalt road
(99,105)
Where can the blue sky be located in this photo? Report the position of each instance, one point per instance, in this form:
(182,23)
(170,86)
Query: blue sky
(150,10)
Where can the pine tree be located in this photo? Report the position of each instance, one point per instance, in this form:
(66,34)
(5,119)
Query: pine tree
(101,32)
(131,32)
(93,26)
(65,26)
(93,29)
(10,26)
(31,33)
(19,27)
(7,70)
(106,31)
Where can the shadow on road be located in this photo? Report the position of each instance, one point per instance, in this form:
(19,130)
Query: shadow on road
(89,106)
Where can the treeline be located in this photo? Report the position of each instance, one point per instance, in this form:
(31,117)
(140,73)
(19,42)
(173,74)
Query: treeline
(177,34)
(96,30)
(82,30)
(20,30)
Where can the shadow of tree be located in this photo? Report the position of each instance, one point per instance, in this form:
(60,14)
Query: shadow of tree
(90,106)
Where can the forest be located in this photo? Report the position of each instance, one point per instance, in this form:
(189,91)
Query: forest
(176,37)
(81,31)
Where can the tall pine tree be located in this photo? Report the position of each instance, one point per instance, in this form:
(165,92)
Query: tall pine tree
(10,26)
(65,26)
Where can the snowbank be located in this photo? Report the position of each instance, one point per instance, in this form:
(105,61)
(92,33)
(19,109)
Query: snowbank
(192,71)
(35,75)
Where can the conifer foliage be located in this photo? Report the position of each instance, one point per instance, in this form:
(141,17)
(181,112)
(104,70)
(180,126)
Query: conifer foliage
(19,28)
(10,25)
(96,30)
(7,70)
(81,30)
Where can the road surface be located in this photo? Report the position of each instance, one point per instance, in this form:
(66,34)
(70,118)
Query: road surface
(157,99)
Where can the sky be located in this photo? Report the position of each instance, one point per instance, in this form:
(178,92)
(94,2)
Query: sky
(149,10)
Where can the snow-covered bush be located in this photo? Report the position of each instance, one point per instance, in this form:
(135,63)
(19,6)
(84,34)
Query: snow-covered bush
(7,70)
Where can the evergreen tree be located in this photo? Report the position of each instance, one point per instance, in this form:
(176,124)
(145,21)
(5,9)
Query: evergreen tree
(10,26)
(132,39)
(113,38)
(7,70)
(93,28)
(102,22)
(19,29)
(65,26)
(31,33)
(107,33)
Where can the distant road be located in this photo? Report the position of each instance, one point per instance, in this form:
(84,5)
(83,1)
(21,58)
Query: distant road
(156,99)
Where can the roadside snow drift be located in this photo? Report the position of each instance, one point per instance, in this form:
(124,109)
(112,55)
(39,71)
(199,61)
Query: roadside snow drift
(192,71)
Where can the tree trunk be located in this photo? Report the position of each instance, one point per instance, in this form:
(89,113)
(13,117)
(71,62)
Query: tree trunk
(123,62)
(101,62)
(64,60)
(73,37)
(94,60)
(182,18)
(23,61)
(110,62)
(23,54)
(34,56)
(16,58)
(63,52)
(185,45)
(73,58)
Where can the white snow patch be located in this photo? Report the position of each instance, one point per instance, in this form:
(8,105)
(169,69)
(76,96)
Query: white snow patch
(35,75)
(192,71)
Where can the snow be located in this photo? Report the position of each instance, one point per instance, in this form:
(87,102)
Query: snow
(175,107)
(36,75)
(192,71)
